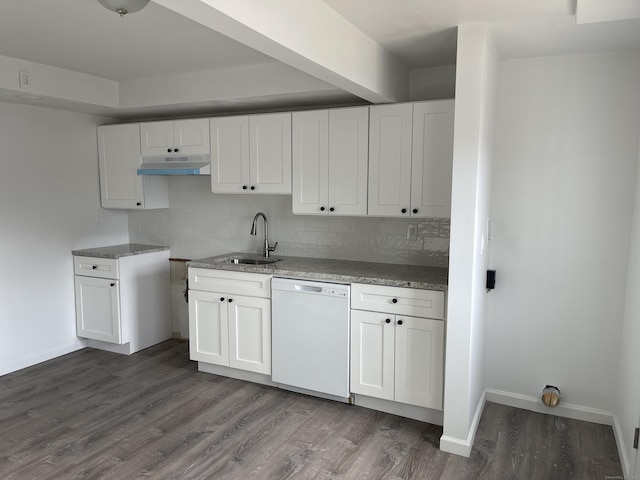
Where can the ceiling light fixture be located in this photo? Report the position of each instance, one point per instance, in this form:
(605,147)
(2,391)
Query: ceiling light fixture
(122,7)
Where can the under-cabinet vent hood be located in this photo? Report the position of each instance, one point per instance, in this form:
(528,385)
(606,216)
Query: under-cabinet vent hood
(200,165)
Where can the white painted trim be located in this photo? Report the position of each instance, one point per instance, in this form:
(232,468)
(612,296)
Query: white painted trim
(568,410)
(461,447)
(622,451)
(42,357)
(235,373)
(422,414)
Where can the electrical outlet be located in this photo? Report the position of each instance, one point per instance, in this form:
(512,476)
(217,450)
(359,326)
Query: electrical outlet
(412,231)
(25,79)
(102,215)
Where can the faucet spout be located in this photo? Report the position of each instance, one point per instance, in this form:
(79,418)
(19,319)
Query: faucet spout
(266,249)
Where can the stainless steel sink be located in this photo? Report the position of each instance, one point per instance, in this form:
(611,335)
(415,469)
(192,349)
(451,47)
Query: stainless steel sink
(253,261)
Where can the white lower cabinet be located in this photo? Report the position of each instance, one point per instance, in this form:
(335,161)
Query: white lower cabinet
(122,304)
(227,328)
(395,356)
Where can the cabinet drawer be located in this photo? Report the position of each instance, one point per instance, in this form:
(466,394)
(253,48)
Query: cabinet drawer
(403,301)
(250,284)
(96,267)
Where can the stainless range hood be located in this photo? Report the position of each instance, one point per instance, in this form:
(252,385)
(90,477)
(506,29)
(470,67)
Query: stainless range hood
(197,165)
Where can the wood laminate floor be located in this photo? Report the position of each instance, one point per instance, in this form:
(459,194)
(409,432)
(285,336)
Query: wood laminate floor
(98,415)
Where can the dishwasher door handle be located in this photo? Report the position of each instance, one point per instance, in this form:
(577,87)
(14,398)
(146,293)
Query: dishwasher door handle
(308,289)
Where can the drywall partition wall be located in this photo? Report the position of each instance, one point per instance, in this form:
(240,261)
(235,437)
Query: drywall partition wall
(628,392)
(477,65)
(563,192)
(49,195)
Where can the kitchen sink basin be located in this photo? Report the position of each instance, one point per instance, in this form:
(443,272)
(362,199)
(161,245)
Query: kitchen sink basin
(253,261)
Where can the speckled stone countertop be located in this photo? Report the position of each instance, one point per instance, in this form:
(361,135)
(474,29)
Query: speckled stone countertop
(117,251)
(340,271)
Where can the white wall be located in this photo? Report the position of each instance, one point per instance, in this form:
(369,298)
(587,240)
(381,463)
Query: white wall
(564,179)
(477,65)
(49,194)
(628,392)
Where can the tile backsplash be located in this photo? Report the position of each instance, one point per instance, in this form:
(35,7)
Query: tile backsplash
(202,224)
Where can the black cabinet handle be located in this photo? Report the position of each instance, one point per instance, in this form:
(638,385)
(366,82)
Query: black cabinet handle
(175,150)
(388,320)
(138,203)
(332,209)
(404,210)
(222,299)
(168,150)
(113,284)
(95,267)
(399,322)
(252,187)
(244,187)
(322,209)
(415,210)
(230,300)
(395,300)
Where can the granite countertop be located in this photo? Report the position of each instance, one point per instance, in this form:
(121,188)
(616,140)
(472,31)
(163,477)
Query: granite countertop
(117,251)
(340,271)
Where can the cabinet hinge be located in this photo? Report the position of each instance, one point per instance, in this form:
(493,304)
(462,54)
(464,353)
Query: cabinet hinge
(636,435)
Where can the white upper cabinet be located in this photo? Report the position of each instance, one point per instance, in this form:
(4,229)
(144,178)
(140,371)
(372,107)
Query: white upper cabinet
(390,159)
(119,159)
(251,154)
(330,157)
(175,138)
(411,157)
(432,158)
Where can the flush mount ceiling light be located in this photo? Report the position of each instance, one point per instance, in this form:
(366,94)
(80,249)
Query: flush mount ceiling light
(122,7)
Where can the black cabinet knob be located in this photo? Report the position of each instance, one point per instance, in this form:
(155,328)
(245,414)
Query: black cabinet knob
(395,300)
(252,187)
(138,203)
(399,322)
(415,210)
(244,187)
(222,299)
(332,209)
(404,210)
(168,150)
(113,284)
(322,209)
(176,150)
(230,300)
(388,320)
(95,267)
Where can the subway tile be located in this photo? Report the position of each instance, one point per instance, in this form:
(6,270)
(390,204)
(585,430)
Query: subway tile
(429,229)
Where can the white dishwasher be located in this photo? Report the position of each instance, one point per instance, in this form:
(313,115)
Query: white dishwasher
(310,329)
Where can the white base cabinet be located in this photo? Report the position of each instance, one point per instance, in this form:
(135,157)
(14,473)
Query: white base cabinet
(122,305)
(227,328)
(395,356)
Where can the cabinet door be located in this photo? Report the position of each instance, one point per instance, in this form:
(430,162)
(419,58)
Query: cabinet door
(191,137)
(119,159)
(230,154)
(432,158)
(372,361)
(390,160)
(250,334)
(348,160)
(156,138)
(270,153)
(419,367)
(98,309)
(310,162)
(208,327)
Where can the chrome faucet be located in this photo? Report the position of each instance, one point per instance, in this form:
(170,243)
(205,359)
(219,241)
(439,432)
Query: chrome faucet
(266,249)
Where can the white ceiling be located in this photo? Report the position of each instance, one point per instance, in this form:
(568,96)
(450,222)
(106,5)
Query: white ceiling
(82,36)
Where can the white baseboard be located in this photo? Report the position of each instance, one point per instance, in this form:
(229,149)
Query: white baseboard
(577,412)
(422,414)
(42,357)
(459,446)
(237,374)
(622,451)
